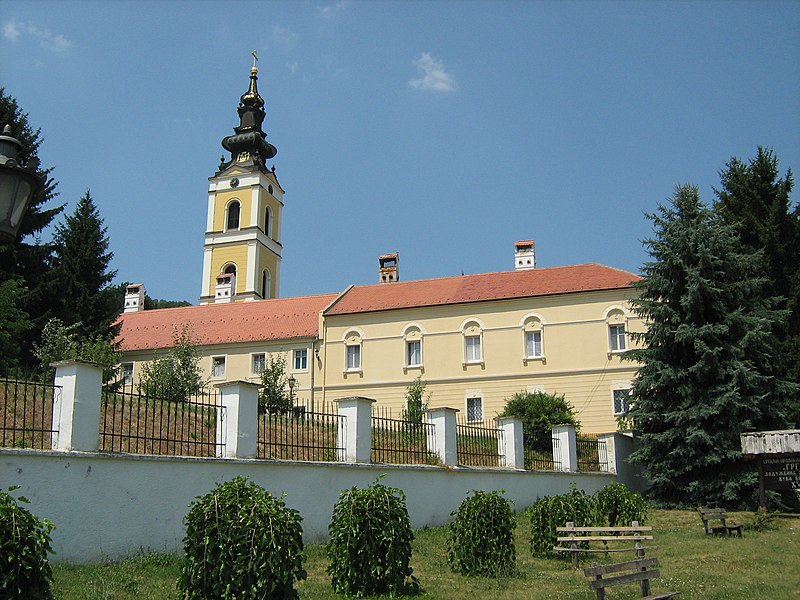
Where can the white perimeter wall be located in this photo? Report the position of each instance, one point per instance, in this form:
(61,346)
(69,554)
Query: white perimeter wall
(110,506)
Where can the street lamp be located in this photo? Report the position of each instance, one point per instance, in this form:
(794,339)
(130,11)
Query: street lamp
(292,383)
(18,184)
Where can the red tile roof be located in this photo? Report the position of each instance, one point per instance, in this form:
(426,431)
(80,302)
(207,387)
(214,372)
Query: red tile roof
(482,287)
(280,318)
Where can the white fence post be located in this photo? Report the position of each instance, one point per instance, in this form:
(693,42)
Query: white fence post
(443,438)
(356,437)
(567,451)
(237,419)
(610,464)
(510,442)
(76,411)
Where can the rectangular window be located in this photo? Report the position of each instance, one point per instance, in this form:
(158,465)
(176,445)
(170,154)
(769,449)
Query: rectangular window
(413,353)
(621,401)
(533,344)
(354,358)
(474,409)
(301,360)
(616,337)
(473,348)
(218,366)
(126,373)
(258,363)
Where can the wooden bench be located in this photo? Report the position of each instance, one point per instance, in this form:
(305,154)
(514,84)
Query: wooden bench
(578,540)
(718,514)
(641,570)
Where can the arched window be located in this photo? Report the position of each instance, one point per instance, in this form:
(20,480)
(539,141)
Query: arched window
(230,268)
(266,279)
(412,336)
(232,218)
(533,338)
(616,321)
(473,342)
(268,221)
(352,350)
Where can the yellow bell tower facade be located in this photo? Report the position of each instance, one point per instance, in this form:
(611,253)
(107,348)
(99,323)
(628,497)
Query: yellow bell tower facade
(242,250)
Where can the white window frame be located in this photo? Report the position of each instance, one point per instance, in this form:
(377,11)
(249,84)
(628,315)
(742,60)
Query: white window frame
(217,360)
(409,354)
(227,209)
(126,371)
(470,416)
(300,353)
(356,352)
(253,356)
(627,407)
(617,332)
(476,342)
(533,334)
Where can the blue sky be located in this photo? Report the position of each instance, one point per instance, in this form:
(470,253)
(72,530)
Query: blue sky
(441,130)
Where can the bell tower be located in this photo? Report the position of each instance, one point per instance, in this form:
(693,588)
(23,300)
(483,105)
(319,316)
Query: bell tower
(245,205)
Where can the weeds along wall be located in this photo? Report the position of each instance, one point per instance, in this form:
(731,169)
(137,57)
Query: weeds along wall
(108,507)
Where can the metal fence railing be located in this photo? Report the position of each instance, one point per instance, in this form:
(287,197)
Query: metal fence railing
(539,459)
(402,442)
(302,434)
(27,414)
(143,423)
(478,445)
(592,454)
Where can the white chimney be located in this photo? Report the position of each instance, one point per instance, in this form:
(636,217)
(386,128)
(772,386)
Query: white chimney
(134,298)
(524,255)
(225,288)
(389,270)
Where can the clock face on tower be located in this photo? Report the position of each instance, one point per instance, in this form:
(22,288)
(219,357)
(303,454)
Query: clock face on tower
(235,182)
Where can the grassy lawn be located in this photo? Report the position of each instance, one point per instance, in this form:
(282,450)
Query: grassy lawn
(759,565)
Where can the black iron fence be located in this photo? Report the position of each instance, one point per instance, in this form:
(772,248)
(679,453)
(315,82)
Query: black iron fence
(541,459)
(302,434)
(402,442)
(592,455)
(27,414)
(145,423)
(477,445)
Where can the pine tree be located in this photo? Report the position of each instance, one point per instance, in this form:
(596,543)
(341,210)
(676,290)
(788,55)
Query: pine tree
(27,259)
(756,202)
(706,354)
(81,275)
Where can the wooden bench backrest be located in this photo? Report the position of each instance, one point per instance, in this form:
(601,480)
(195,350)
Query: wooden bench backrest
(713,514)
(634,571)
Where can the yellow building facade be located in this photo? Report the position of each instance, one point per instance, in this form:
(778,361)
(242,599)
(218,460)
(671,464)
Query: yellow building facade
(475,340)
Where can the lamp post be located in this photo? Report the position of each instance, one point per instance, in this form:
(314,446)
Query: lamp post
(18,184)
(292,383)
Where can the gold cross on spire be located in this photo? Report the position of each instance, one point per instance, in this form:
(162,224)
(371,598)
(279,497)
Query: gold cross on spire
(255,58)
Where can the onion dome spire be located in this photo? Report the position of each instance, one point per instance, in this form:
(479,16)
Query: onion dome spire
(249,140)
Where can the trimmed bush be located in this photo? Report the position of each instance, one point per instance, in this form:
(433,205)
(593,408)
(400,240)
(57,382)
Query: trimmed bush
(24,543)
(556,511)
(539,411)
(481,537)
(241,542)
(370,542)
(617,505)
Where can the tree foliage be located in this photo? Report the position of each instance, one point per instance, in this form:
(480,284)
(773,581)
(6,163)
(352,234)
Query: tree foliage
(63,342)
(241,542)
(416,401)
(274,397)
(755,201)
(539,411)
(81,276)
(480,539)
(25,572)
(27,259)
(706,357)
(175,376)
(14,323)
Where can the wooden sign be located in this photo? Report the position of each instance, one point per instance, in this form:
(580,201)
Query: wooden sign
(781,473)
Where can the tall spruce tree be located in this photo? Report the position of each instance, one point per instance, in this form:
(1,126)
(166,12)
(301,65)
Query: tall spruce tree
(81,275)
(706,357)
(27,259)
(755,200)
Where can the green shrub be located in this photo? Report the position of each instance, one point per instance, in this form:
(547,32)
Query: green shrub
(241,542)
(24,543)
(616,505)
(556,511)
(539,411)
(481,537)
(370,542)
